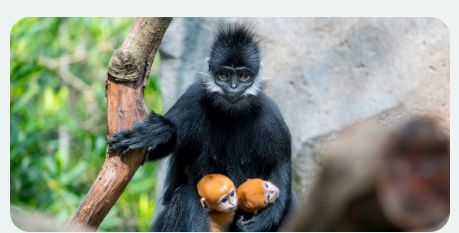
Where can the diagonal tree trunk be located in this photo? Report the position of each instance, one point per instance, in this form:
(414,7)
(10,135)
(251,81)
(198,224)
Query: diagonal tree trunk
(128,73)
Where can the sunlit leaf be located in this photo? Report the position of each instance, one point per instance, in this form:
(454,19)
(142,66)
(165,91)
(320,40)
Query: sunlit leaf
(44,175)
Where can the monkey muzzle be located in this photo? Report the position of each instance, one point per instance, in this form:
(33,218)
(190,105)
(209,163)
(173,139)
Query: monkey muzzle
(233,94)
(273,194)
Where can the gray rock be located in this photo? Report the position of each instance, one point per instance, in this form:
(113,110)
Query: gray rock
(324,73)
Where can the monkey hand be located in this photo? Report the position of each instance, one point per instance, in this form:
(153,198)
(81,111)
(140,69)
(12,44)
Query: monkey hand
(250,225)
(154,131)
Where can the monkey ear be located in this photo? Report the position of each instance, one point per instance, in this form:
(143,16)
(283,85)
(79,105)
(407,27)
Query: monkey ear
(204,204)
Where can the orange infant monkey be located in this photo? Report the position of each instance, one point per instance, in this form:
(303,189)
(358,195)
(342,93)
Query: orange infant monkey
(219,198)
(256,194)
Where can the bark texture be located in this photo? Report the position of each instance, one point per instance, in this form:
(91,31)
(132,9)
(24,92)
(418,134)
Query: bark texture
(128,73)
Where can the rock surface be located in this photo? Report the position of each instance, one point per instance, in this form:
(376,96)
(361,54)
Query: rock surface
(324,73)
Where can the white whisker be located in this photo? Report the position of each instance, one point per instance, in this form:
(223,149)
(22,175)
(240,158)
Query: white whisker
(210,84)
(256,87)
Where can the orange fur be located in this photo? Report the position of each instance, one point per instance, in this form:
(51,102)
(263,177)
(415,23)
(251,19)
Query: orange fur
(212,187)
(251,195)
(220,221)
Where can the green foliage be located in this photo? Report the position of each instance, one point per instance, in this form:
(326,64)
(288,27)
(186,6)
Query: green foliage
(58,118)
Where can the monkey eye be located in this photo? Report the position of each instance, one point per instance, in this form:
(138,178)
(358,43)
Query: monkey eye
(232,193)
(244,76)
(224,200)
(266,185)
(223,75)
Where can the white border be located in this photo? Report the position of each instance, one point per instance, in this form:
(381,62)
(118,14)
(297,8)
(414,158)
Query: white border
(12,11)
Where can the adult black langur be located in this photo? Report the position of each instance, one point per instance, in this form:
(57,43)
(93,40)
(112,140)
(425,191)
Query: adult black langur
(224,124)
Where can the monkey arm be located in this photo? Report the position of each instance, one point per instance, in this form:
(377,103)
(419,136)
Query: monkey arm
(276,150)
(159,134)
(156,133)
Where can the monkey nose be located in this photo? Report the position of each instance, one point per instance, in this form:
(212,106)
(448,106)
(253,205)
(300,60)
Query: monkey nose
(233,85)
(234,202)
(274,191)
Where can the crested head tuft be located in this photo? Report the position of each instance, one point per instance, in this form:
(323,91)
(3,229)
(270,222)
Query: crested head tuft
(235,45)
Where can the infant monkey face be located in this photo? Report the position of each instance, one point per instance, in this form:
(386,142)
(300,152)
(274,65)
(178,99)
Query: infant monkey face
(228,202)
(271,192)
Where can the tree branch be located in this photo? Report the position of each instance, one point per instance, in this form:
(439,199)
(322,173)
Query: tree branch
(128,73)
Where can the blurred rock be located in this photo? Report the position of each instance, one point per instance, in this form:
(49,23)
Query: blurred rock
(325,73)
(38,222)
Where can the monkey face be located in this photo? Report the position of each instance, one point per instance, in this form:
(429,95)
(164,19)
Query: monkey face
(217,193)
(234,81)
(271,192)
(228,202)
(234,63)
(256,194)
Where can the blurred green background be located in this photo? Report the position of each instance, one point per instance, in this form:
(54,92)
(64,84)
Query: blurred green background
(58,118)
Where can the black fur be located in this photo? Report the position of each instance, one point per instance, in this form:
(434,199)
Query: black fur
(206,134)
(235,45)
(156,134)
(176,218)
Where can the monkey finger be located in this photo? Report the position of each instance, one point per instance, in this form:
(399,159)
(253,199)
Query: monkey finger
(115,141)
(150,148)
(121,135)
(126,151)
(240,224)
(112,141)
(115,145)
(130,149)
(110,150)
(125,141)
(241,221)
